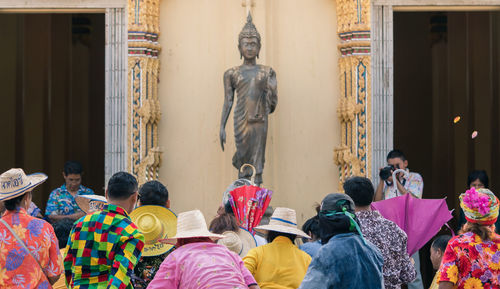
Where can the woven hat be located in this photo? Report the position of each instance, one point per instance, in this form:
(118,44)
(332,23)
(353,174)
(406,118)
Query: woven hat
(155,223)
(283,220)
(191,224)
(240,242)
(90,203)
(479,206)
(14,183)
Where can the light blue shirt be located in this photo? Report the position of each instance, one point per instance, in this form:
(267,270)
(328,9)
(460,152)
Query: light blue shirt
(311,248)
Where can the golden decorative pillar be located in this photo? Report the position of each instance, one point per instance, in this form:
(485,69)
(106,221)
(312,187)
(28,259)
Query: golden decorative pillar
(144,154)
(353,156)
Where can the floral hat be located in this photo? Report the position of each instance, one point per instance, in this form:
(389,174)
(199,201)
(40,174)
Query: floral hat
(480,206)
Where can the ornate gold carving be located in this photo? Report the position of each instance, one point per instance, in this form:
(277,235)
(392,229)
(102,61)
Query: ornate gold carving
(144,106)
(353,156)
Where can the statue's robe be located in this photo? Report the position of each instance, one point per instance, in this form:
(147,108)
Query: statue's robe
(256,90)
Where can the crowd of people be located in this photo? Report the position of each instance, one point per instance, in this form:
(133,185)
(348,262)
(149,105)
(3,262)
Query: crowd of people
(130,239)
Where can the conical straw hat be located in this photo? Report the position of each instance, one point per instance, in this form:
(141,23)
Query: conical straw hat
(191,224)
(283,220)
(14,183)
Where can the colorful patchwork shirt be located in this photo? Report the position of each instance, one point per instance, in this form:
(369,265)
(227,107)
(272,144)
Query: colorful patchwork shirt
(18,269)
(413,183)
(391,241)
(103,249)
(468,262)
(61,202)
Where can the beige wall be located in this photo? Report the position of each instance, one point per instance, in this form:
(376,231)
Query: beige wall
(199,42)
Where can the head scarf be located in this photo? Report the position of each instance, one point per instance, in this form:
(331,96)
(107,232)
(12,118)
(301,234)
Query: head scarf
(479,206)
(337,216)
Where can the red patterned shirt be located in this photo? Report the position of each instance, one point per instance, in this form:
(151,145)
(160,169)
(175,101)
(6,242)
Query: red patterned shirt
(469,263)
(17,268)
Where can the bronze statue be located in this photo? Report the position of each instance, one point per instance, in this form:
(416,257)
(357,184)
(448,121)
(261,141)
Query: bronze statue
(256,88)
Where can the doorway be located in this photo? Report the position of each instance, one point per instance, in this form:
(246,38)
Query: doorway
(53,80)
(446,101)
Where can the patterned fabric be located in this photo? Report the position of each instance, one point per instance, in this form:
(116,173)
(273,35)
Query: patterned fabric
(413,183)
(311,248)
(103,250)
(391,241)
(345,262)
(61,202)
(479,206)
(277,265)
(17,268)
(146,269)
(202,265)
(470,263)
(34,211)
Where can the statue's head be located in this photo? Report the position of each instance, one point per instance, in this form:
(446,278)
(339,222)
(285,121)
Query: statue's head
(249,40)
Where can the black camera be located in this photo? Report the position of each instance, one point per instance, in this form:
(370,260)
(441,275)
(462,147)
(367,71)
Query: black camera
(386,172)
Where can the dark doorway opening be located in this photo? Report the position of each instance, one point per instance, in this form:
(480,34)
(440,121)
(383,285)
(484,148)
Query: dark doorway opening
(446,65)
(52,110)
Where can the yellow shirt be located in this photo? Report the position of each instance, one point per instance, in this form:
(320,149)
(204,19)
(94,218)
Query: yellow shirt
(61,283)
(434,284)
(277,265)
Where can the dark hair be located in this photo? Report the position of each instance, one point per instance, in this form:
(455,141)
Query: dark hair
(223,223)
(228,209)
(153,193)
(14,203)
(62,228)
(121,186)
(440,242)
(484,232)
(360,190)
(311,227)
(271,235)
(72,168)
(396,154)
(478,174)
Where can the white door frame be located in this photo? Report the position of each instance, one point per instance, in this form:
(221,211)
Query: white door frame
(382,12)
(116,66)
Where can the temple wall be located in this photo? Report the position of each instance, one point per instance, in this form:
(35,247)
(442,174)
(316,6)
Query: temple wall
(199,42)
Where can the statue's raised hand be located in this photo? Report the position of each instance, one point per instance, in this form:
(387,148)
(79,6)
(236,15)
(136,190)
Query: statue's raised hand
(222,136)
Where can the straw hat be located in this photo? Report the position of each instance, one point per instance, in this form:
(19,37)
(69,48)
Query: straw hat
(240,242)
(191,224)
(155,223)
(283,220)
(14,183)
(90,203)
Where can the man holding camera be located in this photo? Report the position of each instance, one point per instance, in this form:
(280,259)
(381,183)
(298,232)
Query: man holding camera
(388,188)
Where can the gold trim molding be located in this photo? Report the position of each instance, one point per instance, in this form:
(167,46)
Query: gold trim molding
(144,153)
(353,156)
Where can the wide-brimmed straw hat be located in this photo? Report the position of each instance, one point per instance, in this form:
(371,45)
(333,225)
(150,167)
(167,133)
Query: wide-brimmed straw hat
(14,183)
(240,242)
(155,223)
(90,203)
(191,224)
(283,220)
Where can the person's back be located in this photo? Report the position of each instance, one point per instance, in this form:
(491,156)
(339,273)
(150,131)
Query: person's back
(279,264)
(105,246)
(345,262)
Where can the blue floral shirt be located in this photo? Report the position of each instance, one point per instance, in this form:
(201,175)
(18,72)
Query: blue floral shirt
(61,202)
(345,262)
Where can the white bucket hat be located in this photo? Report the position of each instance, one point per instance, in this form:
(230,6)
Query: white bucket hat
(240,243)
(14,183)
(283,220)
(191,224)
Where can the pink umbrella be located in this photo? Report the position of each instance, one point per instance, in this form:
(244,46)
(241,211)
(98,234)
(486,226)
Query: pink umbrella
(421,219)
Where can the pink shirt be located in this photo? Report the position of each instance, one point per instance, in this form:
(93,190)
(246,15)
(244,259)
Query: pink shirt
(202,265)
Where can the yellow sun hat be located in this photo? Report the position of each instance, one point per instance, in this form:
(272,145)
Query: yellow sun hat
(155,223)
